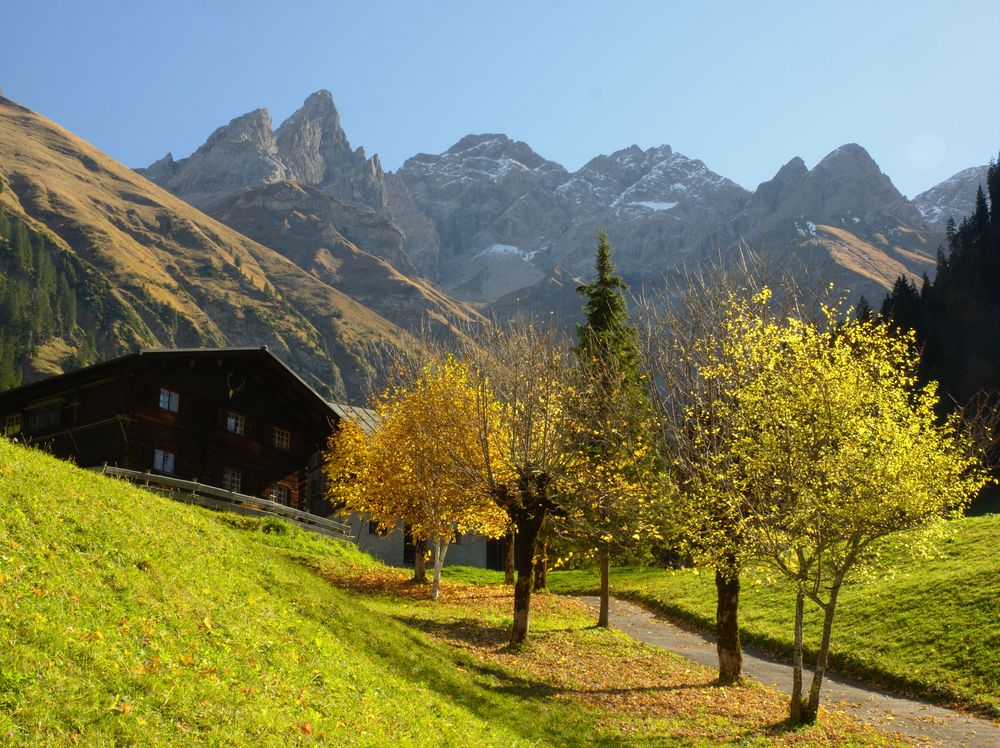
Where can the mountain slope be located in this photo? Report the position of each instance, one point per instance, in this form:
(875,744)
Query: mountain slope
(178,277)
(506,218)
(844,217)
(304,225)
(955,197)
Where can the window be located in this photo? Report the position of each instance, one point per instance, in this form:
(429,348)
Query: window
(236,423)
(279,493)
(43,415)
(12,424)
(231,480)
(281,438)
(169,400)
(163,461)
(373,528)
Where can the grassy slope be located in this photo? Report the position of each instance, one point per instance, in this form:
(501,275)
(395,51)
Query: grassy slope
(930,627)
(126,617)
(130,619)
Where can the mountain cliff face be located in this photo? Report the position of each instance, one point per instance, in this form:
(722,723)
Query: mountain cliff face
(324,236)
(505,216)
(167,274)
(955,197)
(309,147)
(507,219)
(843,218)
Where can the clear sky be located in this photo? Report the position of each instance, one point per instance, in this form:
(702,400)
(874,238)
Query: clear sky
(742,85)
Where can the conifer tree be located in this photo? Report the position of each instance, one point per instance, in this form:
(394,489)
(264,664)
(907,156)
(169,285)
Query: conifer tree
(611,412)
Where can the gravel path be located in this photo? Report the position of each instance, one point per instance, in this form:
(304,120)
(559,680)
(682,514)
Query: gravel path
(926,722)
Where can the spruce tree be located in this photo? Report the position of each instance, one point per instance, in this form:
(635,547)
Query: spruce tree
(615,407)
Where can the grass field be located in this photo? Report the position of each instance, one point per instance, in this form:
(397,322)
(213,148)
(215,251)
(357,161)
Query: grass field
(129,619)
(928,627)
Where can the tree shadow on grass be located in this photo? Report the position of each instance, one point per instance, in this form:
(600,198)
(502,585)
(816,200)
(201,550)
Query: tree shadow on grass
(482,637)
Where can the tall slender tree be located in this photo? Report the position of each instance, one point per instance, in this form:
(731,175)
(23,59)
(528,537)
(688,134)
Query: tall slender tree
(611,413)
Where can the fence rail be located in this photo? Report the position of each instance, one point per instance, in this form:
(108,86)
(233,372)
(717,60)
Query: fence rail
(192,492)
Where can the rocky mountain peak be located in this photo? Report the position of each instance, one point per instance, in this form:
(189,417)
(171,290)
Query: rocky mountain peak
(235,156)
(772,193)
(955,197)
(253,127)
(845,187)
(496,147)
(310,147)
(849,156)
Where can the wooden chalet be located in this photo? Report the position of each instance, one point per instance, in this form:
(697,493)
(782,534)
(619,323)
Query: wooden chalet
(235,418)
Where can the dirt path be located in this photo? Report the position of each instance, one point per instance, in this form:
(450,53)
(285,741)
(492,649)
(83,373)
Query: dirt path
(927,722)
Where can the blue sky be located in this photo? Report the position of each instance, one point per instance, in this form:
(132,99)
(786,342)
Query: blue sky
(743,86)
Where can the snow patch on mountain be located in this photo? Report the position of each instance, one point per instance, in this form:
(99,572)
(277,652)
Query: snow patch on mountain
(653,205)
(506,249)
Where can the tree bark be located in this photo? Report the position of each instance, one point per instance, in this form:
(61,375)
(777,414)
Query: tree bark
(811,709)
(508,561)
(541,568)
(524,561)
(420,560)
(527,523)
(795,710)
(602,617)
(727,629)
(440,549)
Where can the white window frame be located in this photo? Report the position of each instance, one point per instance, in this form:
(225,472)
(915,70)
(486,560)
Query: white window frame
(281,438)
(232,480)
(163,461)
(13,424)
(169,400)
(279,493)
(236,423)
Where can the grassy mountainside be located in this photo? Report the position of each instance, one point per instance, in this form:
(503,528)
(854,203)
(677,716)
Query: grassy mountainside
(129,619)
(930,626)
(176,277)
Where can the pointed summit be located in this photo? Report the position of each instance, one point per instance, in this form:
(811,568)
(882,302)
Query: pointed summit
(309,147)
(772,193)
(235,156)
(850,155)
(315,148)
(849,182)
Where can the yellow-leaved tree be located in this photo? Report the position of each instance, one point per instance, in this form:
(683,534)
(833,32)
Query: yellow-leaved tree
(834,446)
(523,456)
(407,472)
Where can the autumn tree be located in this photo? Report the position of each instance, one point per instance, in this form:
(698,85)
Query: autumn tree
(681,330)
(835,447)
(405,472)
(611,507)
(523,456)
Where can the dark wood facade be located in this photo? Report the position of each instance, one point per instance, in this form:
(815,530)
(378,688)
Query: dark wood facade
(236,418)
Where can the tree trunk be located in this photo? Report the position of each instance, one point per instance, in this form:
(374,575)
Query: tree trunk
(508,561)
(795,710)
(811,709)
(602,617)
(440,549)
(522,588)
(541,567)
(727,629)
(527,524)
(420,560)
